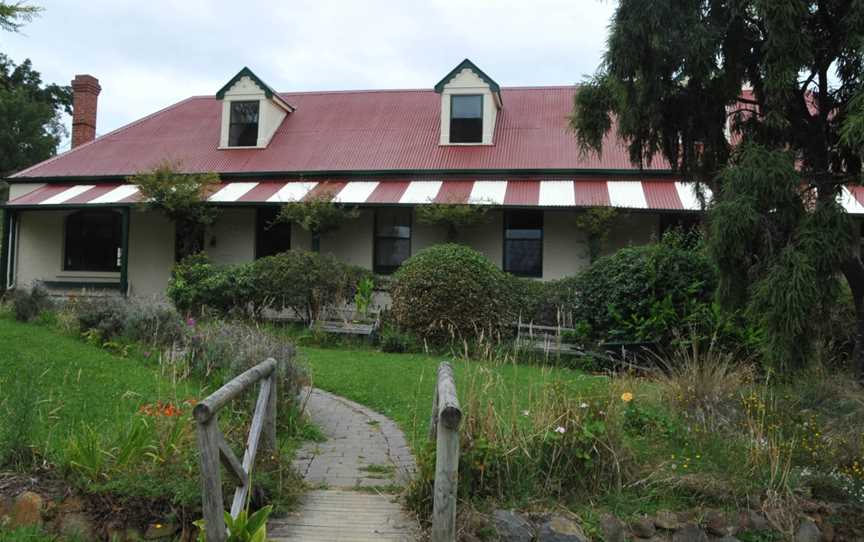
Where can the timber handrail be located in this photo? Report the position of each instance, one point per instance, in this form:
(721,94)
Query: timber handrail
(214,450)
(444,430)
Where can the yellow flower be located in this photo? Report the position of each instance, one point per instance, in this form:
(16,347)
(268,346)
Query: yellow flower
(626,396)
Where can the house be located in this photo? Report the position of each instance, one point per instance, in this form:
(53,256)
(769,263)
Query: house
(74,221)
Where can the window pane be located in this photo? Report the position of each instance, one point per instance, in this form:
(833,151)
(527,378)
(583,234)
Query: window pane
(273,237)
(466,107)
(394,223)
(244,112)
(466,119)
(523,243)
(391,253)
(243,129)
(466,131)
(523,257)
(92,241)
(392,239)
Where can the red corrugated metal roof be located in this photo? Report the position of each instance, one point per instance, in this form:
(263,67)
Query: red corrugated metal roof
(352,131)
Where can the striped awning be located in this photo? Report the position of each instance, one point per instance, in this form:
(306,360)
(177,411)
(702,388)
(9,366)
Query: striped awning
(627,194)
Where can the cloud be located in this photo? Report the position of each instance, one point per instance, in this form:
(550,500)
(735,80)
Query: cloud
(148,55)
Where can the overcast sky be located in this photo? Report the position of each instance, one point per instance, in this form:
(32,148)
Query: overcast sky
(152,53)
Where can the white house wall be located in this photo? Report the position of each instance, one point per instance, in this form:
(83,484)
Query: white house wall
(232,240)
(353,243)
(151,253)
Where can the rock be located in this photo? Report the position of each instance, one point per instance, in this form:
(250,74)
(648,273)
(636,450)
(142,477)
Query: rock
(75,525)
(560,529)
(512,526)
(643,528)
(689,533)
(808,532)
(27,509)
(612,528)
(156,531)
(718,524)
(750,520)
(666,520)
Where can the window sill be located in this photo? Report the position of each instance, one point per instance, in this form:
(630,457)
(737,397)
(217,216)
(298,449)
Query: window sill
(466,144)
(89,275)
(251,147)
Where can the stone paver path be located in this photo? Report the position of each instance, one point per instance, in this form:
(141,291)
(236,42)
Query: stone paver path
(353,475)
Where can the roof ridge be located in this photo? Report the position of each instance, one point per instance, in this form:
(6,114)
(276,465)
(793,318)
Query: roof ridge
(94,140)
(388,90)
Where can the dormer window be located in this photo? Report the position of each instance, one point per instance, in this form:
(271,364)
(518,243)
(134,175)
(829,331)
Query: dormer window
(251,112)
(470,102)
(243,131)
(466,118)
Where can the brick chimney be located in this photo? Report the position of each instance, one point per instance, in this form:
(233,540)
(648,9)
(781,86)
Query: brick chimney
(85,93)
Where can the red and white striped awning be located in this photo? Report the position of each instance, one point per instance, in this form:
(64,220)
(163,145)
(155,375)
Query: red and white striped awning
(661,195)
(650,195)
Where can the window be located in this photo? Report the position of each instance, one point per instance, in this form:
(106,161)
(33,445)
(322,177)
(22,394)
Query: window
(466,119)
(243,131)
(680,221)
(392,239)
(523,243)
(271,237)
(92,241)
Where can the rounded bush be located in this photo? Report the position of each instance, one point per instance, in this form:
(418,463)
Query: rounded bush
(306,282)
(197,283)
(451,291)
(642,293)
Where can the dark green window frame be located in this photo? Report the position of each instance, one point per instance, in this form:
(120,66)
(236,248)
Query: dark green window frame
(93,240)
(384,242)
(517,237)
(466,129)
(243,132)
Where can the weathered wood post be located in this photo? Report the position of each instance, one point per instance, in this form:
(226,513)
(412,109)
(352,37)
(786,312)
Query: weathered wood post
(270,441)
(448,416)
(211,480)
(214,450)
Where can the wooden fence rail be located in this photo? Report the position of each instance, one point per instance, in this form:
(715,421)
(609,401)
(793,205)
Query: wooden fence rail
(444,429)
(214,450)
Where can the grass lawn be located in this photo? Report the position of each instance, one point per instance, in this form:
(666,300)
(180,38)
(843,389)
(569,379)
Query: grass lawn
(401,385)
(74,383)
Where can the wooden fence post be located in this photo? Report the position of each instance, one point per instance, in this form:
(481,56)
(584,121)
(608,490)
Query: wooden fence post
(449,416)
(211,481)
(270,441)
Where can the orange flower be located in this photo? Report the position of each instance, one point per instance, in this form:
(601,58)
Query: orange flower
(626,396)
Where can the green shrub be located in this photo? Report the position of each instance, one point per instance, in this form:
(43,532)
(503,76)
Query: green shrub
(197,284)
(106,315)
(450,291)
(154,323)
(398,342)
(27,305)
(642,293)
(306,282)
(541,302)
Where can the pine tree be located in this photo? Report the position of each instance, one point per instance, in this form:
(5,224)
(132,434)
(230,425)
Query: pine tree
(755,99)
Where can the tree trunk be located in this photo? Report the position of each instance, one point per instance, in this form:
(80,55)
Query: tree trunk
(853,270)
(316,242)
